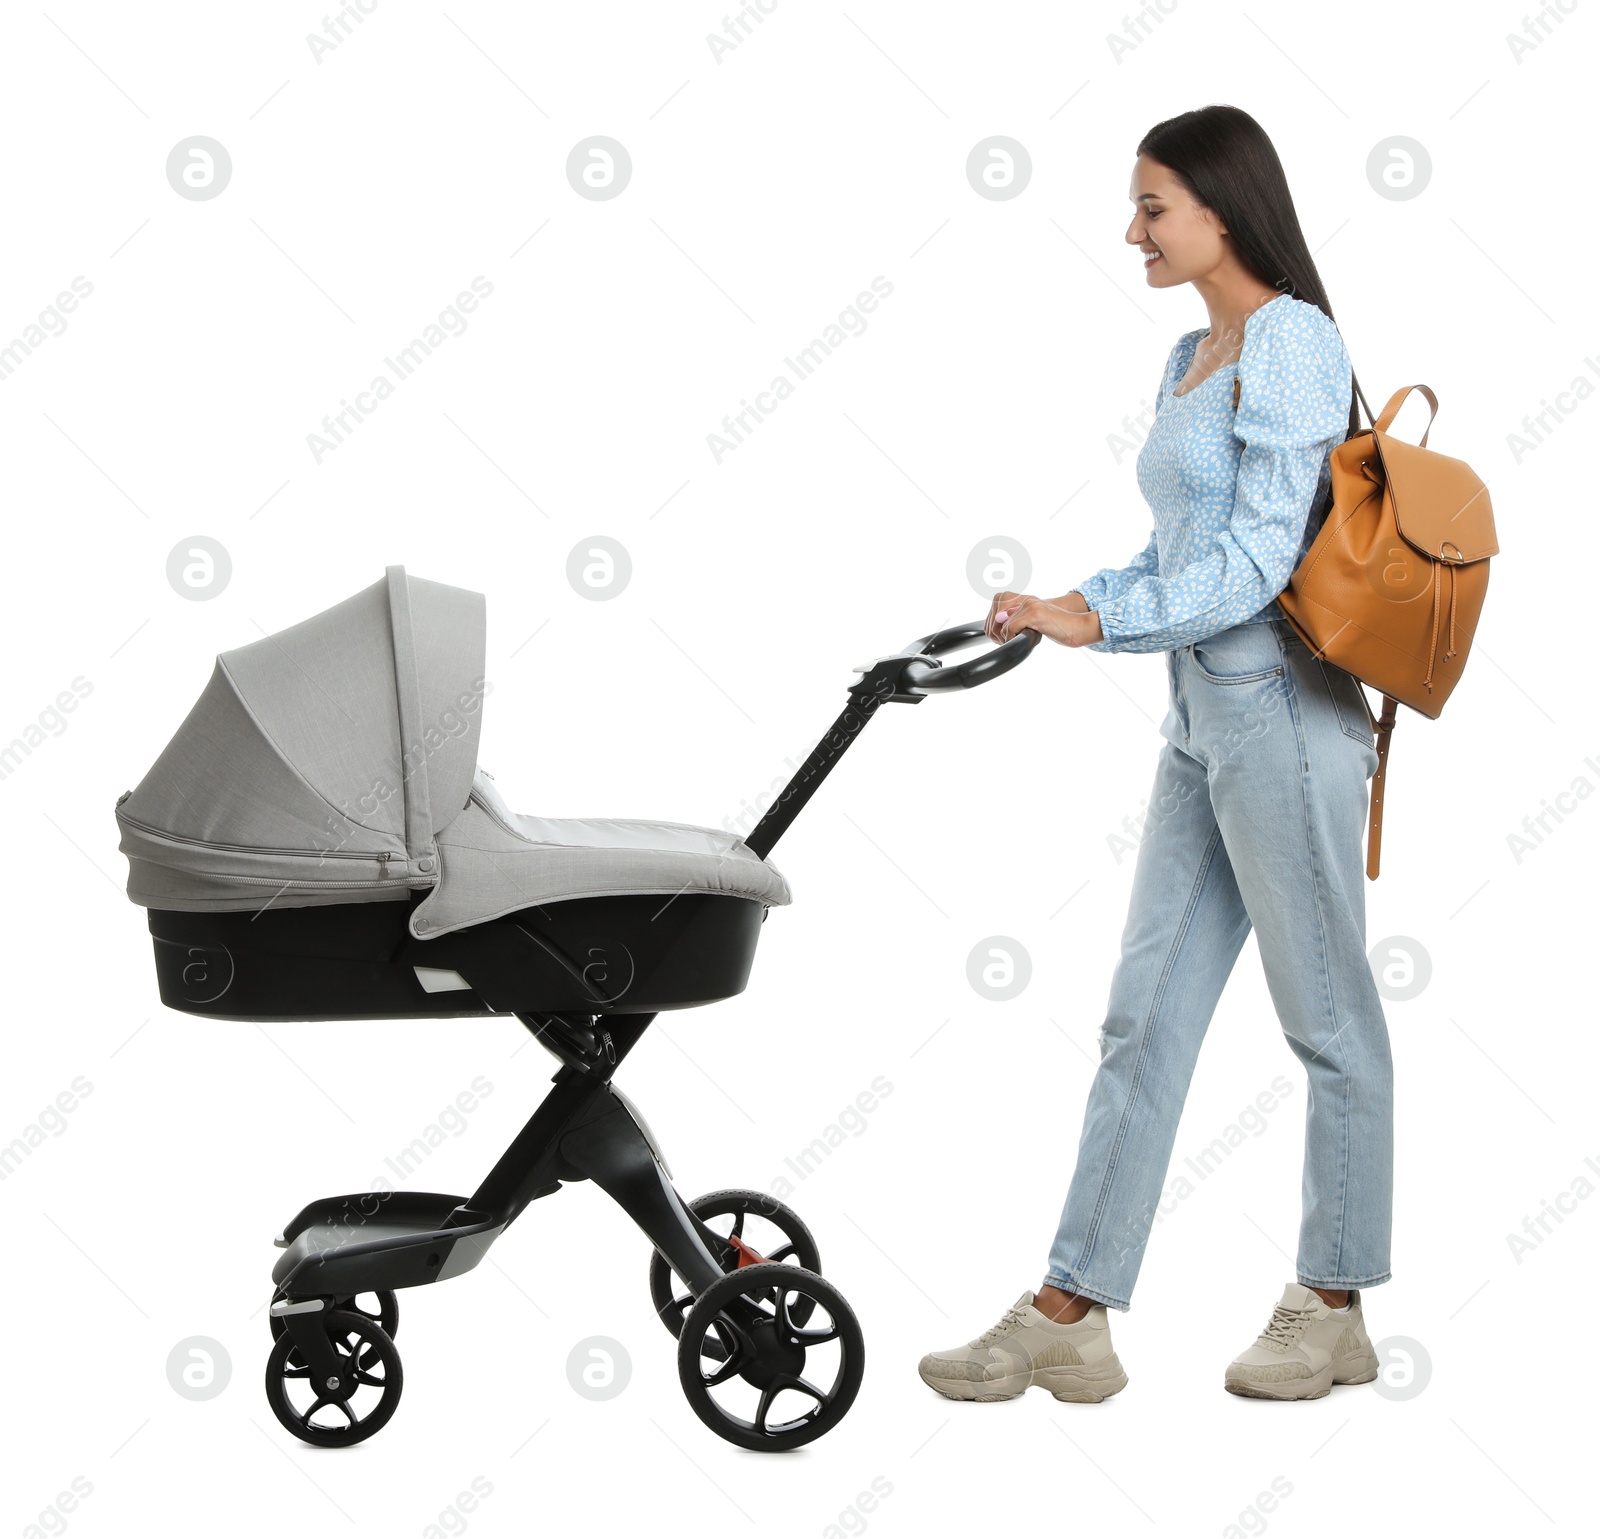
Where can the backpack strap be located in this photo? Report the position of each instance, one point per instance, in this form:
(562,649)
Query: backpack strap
(1384,726)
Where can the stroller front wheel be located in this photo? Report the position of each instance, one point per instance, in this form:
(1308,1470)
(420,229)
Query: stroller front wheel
(347,1399)
(757,1376)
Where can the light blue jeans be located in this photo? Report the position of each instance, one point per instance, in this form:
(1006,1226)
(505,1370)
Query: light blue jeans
(1257,818)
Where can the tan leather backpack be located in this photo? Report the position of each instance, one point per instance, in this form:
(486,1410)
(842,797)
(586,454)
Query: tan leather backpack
(1392,586)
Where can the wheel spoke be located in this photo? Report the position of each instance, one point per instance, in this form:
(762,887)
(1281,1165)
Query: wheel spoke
(722,1375)
(359,1354)
(359,1351)
(782,1382)
(806,1338)
(317,1404)
(740,1341)
(366,1376)
(297,1373)
(806,1387)
(713,1345)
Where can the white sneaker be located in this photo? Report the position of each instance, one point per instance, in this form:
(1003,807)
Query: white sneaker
(1026,1347)
(1305,1350)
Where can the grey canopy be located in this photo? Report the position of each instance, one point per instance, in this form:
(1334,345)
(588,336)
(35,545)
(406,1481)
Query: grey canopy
(337,762)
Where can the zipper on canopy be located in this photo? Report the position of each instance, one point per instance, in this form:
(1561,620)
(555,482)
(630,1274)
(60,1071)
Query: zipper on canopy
(383,857)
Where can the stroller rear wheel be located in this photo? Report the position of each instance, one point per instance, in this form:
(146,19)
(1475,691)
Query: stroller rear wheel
(791,1242)
(757,1376)
(348,1404)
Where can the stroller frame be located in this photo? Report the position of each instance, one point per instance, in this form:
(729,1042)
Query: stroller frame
(584,1129)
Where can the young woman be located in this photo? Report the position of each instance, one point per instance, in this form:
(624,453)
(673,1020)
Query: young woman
(1258,810)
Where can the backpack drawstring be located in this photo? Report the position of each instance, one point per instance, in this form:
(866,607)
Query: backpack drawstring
(1433,640)
(1452,652)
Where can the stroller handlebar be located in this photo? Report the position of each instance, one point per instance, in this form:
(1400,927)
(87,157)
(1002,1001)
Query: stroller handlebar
(918,677)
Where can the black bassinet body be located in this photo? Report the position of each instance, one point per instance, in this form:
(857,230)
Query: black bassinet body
(317,842)
(628,954)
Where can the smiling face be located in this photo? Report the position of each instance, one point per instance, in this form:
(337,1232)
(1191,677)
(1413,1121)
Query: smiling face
(1182,240)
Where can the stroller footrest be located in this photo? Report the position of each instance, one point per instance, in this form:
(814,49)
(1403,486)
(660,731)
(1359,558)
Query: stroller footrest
(357,1212)
(375,1240)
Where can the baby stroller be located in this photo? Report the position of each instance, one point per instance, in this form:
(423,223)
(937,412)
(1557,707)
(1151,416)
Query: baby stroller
(317,842)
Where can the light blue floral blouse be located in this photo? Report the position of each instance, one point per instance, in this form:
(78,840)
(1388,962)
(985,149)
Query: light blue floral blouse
(1231,492)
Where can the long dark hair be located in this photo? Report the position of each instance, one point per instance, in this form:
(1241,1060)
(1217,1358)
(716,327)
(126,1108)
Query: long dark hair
(1228,164)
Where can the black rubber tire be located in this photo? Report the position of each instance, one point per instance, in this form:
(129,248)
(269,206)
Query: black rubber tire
(800,1249)
(771,1283)
(377,1362)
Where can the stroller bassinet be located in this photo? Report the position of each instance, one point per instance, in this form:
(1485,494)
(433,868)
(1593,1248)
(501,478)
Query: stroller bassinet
(317,842)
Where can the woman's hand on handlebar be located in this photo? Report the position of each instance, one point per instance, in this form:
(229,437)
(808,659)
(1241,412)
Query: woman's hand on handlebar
(1024,612)
(1001,601)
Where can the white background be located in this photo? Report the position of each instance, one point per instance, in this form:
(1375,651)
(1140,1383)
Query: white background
(768,190)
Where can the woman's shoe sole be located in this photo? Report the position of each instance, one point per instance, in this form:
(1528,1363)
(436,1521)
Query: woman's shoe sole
(1357,1368)
(1086,1385)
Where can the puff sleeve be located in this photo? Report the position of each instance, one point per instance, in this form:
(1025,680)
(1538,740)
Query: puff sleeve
(1294,404)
